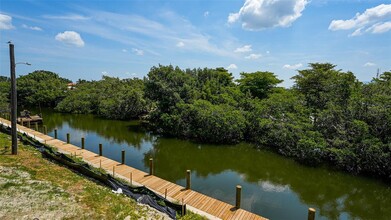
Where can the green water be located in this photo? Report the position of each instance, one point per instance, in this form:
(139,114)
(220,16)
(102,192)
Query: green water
(272,186)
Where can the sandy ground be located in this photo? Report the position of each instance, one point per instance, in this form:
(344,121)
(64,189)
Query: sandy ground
(24,198)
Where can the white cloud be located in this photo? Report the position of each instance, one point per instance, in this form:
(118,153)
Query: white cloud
(157,35)
(368,64)
(180,44)
(232,66)
(292,67)
(357,32)
(374,20)
(233,17)
(380,28)
(268,52)
(138,52)
(124,50)
(70,37)
(206,14)
(253,56)
(5,22)
(244,49)
(73,17)
(34,28)
(260,14)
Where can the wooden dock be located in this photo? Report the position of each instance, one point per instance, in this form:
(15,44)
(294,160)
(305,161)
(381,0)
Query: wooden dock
(195,201)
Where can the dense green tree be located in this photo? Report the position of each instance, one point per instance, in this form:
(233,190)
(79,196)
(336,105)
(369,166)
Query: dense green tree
(41,88)
(5,86)
(205,122)
(282,123)
(195,104)
(121,99)
(259,84)
(375,107)
(110,98)
(82,100)
(328,117)
(322,84)
(167,86)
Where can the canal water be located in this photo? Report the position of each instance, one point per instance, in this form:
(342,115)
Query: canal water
(272,186)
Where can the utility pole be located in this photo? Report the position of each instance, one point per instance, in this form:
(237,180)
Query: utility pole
(14,133)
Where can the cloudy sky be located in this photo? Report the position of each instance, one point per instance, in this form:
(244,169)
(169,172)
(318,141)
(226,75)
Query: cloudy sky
(88,39)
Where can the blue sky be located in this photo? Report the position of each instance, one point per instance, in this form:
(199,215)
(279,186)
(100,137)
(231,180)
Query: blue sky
(88,39)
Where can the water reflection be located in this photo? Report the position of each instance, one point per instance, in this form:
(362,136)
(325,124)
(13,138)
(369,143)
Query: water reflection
(265,174)
(273,186)
(115,131)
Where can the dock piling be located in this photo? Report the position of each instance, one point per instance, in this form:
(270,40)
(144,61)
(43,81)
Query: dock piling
(311,214)
(123,157)
(82,143)
(183,207)
(131,178)
(100,149)
(238,196)
(28,124)
(150,166)
(68,138)
(55,133)
(165,194)
(188,179)
(36,126)
(45,130)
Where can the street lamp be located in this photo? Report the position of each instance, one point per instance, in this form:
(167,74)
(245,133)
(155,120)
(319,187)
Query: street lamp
(25,63)
(14,102)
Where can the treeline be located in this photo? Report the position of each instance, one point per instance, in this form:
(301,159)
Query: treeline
(328,116)
(5,86)
(109,98)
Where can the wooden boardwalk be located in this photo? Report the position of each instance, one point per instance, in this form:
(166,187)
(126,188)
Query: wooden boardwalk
(195,201)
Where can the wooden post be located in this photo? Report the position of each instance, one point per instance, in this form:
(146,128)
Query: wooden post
(21,121)
(165,194)
(68,138)
(238,196)
(100,164)
(150,166)
(311,214)
(55,133)
(183,208)
(14,101)
(28,124)
(114,171)
(45,130)
(36,126)
(82,143)
(188,180)
(100,149)
(123,157)
(131,178)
